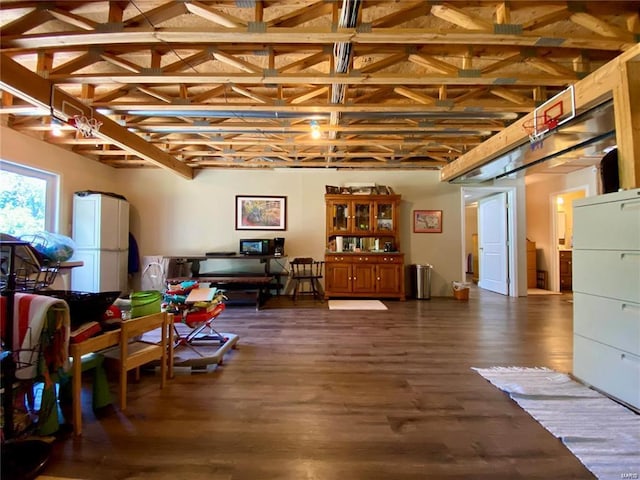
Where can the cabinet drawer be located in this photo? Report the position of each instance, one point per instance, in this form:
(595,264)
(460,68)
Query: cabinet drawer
(364,258)
(611,322)
(613,225)
(399,259)
(614,274)
(338,258)
(612,371)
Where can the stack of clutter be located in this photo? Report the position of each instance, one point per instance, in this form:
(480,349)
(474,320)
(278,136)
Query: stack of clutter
(193,302)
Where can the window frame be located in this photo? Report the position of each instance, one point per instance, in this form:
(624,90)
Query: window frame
(51,213)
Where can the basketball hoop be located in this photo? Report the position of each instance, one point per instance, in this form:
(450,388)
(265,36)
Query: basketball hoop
(536,127)
(88,127)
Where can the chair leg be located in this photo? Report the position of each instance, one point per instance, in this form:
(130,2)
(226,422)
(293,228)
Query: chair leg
(163,365)
(316,293)
(123,389)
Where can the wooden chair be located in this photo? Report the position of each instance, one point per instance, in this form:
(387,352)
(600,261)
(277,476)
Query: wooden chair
(133,352)
(306,269)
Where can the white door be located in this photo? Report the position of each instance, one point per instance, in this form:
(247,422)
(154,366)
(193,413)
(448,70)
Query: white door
(493,244)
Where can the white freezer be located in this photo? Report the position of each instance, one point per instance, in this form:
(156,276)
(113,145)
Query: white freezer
(101,234)
(103,271)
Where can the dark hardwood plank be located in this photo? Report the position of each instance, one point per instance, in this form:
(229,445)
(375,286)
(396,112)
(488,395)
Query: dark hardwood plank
(318,394)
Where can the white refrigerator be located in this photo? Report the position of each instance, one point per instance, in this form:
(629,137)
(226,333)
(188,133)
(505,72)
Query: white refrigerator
(101,234)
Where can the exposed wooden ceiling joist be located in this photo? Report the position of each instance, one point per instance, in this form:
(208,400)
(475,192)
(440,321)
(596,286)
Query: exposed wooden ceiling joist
(410,84)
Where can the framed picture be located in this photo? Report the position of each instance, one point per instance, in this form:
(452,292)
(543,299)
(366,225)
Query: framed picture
(260,212)
(427,221)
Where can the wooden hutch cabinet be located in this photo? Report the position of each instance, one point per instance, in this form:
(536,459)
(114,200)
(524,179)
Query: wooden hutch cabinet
(363,247)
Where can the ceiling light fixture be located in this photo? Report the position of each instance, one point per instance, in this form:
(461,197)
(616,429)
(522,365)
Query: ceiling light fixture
(56,127)
(315,129)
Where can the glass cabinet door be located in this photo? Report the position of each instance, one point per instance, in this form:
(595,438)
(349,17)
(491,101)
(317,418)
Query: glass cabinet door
(385,217)
(339,217)
(362,217)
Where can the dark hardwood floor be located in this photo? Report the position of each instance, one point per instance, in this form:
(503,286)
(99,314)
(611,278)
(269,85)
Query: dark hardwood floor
(313,394)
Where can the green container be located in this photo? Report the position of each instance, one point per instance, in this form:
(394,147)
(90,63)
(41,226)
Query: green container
(145,303)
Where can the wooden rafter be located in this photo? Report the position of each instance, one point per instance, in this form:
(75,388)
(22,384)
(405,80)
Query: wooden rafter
(219,82)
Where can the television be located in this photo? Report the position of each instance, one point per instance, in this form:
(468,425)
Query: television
(255,246)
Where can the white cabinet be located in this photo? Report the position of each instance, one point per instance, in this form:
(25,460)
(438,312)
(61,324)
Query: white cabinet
(606,286)
(101,234)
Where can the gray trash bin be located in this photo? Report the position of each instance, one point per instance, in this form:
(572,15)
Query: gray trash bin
(422,282)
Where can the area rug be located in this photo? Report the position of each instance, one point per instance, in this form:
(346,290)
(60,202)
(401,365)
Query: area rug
(604,435)
(356,305)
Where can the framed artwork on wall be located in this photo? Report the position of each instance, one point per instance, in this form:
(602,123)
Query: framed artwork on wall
(259,212)
(427,221)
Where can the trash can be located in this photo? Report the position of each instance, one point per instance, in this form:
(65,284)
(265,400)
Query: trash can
(421,281)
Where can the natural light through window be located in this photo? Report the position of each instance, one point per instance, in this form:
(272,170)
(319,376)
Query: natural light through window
(27,199)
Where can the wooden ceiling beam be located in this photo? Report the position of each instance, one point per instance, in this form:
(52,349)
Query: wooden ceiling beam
(251,95)
(461,18)
(31,20)
(601,27)
(121,62)
(305,63)
(38,91)
(72,19)
(236,62)
(384,63)
(190,62)
(146,36)
(547,17)
(417,9)
(316,92)
(78,63)
(415,96)
(152,93)
(302,15)
(552,68)
(489,106)
(512,96)
(213,15)
(561,77)
(158,15)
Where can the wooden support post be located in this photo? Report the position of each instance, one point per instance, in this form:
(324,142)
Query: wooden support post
(626,104)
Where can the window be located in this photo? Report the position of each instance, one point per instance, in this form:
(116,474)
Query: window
(28,199)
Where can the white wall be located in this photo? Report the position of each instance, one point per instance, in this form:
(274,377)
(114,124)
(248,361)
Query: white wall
(174,216)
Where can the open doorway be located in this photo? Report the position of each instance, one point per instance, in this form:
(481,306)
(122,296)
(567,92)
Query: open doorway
(502,265)
(561,216)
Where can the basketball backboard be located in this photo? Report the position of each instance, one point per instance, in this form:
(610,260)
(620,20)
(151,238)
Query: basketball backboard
(554,112)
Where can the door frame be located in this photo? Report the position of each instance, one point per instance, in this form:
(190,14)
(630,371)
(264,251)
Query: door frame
(470,194)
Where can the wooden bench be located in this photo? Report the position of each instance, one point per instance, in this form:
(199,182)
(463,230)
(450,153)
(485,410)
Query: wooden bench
(261,284)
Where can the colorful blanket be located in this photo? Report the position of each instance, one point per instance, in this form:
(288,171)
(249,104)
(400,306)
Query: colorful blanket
(41,327)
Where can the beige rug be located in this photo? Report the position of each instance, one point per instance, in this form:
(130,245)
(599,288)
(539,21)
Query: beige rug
(603,434)
(356,305)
